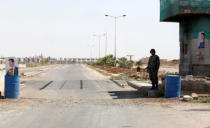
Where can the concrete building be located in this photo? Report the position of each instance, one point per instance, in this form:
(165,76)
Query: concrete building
(194,19)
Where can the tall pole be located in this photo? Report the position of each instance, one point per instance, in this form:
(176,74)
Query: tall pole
(115,38)
(99,44)
(115,35)
(106,44)
(91,51)
(91,54)
(99,47)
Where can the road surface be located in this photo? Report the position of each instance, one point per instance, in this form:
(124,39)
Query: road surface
(77,97)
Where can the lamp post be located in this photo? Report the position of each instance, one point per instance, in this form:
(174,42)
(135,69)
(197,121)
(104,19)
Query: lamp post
(91,50)
(115,32)
(105,34)
(99,43)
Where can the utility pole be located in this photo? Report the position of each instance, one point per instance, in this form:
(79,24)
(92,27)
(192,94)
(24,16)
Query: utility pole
(91,50)
(105,44)
(115,32)
(99,43)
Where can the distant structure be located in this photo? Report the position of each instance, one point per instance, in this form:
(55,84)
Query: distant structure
(194,19)
(130,57)
(48,60)
(82,60)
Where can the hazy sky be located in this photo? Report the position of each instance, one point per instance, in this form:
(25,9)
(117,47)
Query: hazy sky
(64,28)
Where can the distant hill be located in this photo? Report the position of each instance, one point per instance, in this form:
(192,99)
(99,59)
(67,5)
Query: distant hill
(145,60)
(162,61)
(171,62)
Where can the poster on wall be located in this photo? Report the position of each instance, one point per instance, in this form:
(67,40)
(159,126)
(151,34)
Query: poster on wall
(201,40)
(12,66)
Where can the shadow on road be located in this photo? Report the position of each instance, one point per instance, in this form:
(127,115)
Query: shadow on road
(124,94)
(202,110)
(46,85)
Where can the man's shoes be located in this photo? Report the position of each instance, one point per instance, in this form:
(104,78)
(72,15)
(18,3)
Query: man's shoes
(152,88)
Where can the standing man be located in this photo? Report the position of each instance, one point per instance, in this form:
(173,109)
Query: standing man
(138,70)
(152,68)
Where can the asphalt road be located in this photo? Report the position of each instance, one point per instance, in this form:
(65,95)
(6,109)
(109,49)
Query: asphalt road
(77,97)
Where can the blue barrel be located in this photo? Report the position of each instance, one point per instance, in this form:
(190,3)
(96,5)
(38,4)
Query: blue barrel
(173,86)
(12,87)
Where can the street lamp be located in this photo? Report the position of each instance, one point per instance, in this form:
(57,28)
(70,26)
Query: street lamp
(91,50)
(99,44)
(115,35)
(105,34)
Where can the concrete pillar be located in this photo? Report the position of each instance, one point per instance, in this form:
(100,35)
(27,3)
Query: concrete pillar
(195,45)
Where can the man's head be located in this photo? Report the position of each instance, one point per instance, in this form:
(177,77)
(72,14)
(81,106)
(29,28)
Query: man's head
(202,36)
(11,62)
(152,51)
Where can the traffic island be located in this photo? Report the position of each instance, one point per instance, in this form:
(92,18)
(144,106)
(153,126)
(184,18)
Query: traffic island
(123,80)
(200,86)
(145,89)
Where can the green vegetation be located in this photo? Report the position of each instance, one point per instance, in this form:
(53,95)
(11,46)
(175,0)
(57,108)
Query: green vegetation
(129,64)
(106,61)
(43,61)
(139,63)
(34,64)
(204,100)
(122,62)
(110,61)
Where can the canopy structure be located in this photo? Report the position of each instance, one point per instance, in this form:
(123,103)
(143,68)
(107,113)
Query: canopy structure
(194,35)
(176,10)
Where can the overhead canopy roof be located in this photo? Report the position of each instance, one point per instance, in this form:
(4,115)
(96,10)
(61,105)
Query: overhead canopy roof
(173,10)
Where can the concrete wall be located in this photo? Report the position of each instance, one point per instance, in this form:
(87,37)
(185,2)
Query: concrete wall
(194,60)
(172,10)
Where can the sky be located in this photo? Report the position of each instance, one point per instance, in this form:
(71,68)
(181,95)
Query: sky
(65,28)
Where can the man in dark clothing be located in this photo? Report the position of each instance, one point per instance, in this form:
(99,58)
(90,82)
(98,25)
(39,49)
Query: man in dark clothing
(152,68)
(138,69)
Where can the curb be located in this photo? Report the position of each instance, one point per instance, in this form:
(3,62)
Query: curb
(142,89)
(145,90)
(34,73)
(133,85)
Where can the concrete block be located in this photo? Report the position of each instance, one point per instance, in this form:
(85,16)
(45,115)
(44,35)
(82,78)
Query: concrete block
(195,96)
(187,98)
(152,93)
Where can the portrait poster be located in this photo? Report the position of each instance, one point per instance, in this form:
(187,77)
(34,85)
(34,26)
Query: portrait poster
(201,40)
(12,66)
